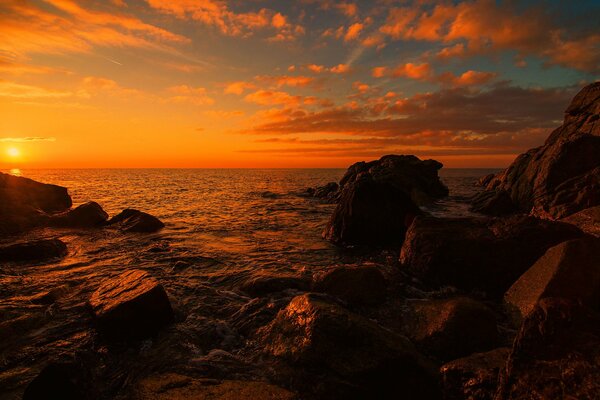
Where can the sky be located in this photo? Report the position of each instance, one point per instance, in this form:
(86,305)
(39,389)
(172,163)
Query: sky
(307,83)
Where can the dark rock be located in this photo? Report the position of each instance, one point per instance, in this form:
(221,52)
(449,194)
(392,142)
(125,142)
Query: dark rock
(313,332)
(485,180)
(561,177)
(34,251)
(556,354)
(355,285)
(131,220)
(257,313)
(59,380)
(493,202)
(132,305)
(88,215)
(587,220)
(570,270)
(328,192)
(479,253)
(474,377)
(378,199)
(451,328)
(265,284)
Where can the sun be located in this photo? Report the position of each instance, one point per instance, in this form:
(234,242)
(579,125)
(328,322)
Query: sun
(13,152)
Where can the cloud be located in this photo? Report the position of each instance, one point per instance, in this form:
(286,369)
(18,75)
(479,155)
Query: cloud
(187,94)
(424,72)
(468,78)
(286,80)
(340,69)
(20,91)
(238,87)
(271,97)
(353,31)
(420,72)
(27,139)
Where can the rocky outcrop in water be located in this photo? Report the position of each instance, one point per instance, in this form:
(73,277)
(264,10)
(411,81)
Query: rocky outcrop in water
(559,178)
(378,199)
(356,285)
(88,215)
(131,220)
(33,251)
(328,192)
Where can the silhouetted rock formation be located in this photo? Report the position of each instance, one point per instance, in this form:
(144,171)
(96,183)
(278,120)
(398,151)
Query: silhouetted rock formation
(132,305)
(556,354)
(373,362)
(379,198)
(587,220)
(131,220)
(65,380)
(88,215)
(355,285)
(266,284)
(559,178)
(451,328)
(33,251)
(479,254)
(570,270)
(327,192)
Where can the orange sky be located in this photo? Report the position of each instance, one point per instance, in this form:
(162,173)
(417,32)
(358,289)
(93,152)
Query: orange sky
(211,83)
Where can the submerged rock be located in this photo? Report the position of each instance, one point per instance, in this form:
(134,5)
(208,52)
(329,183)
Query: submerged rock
(476,253)
(587,220)
(570,270)
(33,251)
(556,354)
(88,215)
(131,220)
(262,285)
(132,305)
(355,285)
(451,328)
(561,177)
(316,333)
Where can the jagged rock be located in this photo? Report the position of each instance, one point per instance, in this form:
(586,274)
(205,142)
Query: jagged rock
(561,177)
(180,387)
(34,251)
(474,377)
(486,254)
(556,355)
(131,220)
(60,380)
(570,270)
(262,285)
(327,192)
(88,215)
(355,285)
(132,305)
(485,180)
(378,199)
(451,328)
(587,220)
(493,202)
(316,333)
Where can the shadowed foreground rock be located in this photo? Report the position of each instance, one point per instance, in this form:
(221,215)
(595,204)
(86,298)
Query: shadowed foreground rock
(556,355)
(60,380)
(133,305)
(477,253)
(355,285)
(262,285)
(34,251)
(559,178)
(451,328)
(131,220)
(368,360)
(587,220)
(570,270)
(88,215)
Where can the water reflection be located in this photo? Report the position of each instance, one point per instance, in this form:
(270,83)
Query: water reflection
(15,172)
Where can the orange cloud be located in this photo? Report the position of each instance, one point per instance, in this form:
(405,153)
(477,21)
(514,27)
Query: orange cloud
(187,94)
(340,69)
(420,72)
(238,87)
(353,31)
(379,72)
(270,97)
(468,78)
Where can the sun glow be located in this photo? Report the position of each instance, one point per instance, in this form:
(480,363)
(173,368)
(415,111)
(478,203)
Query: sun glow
(13,152)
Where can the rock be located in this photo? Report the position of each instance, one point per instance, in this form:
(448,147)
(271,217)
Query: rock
(313,332)
(262,285)
(328,192)
(180,387)
(33,251)
(561,177)
(570,270)
(474,377)
(131,220)
(587,220)
(88,215)
(556,354)
(493,202)
(451,328)
(379,199)
(132,305)
(484,254)
(59,380)
(485,180)
(355,285)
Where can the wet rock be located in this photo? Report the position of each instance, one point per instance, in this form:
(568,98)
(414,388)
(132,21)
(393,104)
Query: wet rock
(379,199)
(33,251)
(316,333)
(493,202)
(257,313)
(556,354)
(451,328)
(328,192)
(88,215)
(587,220)
(485,180)
(132,305)
(262,285)
(561,177)
(477,253)
(474,377)
(355,285)
(570,270)
(59,380)
(131,220)
(175,387)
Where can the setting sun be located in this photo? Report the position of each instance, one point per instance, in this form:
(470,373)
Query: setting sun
(13,152)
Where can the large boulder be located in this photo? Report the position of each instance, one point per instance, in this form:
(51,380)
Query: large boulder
(131,306)
(65,380)
(88,215)
(356,285)
(587,220)
(570,270)
(561,177)
(556,354)
(131,220)
(264,284)
(315,333)
(483,254)
(451,328)
(378,199)
(33,251)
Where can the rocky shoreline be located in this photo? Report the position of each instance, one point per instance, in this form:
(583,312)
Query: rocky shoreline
(499,307)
